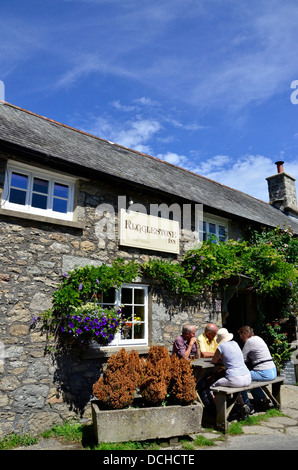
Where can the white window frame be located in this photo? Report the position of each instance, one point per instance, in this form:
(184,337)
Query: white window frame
(31,173)
(204,228)
(118,340)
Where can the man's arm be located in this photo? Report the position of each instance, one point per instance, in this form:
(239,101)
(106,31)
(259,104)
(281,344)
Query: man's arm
(188,350)
(207,354)
(202,346)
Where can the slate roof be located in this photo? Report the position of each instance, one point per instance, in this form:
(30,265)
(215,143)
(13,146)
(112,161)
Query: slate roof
(55,142)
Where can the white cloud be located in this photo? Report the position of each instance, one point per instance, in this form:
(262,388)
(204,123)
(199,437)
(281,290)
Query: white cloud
(174,158)
(247,173)
(122,107)
(146,101)
(133,134)
(138,134)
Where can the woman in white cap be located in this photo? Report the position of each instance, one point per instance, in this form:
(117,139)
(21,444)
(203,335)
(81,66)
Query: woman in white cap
(230,355)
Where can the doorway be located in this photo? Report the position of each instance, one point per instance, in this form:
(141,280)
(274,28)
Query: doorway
(241,310)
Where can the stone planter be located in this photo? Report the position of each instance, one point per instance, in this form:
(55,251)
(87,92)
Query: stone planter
(139,424)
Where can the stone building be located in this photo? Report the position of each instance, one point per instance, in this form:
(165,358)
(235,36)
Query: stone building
(71,199)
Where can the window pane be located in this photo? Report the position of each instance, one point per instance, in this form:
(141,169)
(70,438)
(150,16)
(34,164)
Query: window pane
(139,313)
(17,196)
(212,228)
(40,186)
(127,313)
(139,296)
(126,295)
(139,331)
(40,201)
(60,205)
(221,233)
(61,190)
(19,181)
(126,331)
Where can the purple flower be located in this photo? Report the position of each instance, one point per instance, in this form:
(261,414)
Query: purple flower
(291,284)
(80,286)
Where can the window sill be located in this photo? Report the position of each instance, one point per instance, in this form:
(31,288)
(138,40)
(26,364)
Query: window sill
(40,218)
(104,353)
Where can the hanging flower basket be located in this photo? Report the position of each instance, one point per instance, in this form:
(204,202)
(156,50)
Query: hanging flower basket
(92,322)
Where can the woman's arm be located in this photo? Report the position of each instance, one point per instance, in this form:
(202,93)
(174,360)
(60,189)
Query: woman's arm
(217,358)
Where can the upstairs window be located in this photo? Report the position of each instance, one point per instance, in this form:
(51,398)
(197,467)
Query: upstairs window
(35,191)
(213,229)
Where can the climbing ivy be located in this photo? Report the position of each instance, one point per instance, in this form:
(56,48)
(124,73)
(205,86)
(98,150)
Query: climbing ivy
(269,259)
(200,268)
(77,312)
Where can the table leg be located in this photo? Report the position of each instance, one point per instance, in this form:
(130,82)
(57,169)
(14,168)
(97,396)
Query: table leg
(221,412)
(276,392)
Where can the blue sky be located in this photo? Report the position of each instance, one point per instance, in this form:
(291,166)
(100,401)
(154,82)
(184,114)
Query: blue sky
(203,84)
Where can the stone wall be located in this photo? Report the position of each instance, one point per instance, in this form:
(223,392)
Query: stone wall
(38,386)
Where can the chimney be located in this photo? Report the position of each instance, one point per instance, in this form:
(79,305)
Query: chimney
(282,191)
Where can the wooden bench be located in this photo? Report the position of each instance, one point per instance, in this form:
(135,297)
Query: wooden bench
(225,398)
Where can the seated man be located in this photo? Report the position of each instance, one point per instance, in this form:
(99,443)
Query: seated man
(186,344)
(207,341)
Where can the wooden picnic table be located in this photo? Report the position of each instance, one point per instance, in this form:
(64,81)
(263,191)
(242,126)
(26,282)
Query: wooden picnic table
(204,365)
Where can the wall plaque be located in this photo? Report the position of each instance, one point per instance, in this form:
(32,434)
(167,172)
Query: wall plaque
(148,232)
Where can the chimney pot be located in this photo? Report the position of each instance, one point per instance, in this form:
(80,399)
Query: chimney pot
(280,168)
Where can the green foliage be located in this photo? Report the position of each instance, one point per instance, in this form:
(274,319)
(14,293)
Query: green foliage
(69,431)
(15,440)
(282,240)
(199,441)
(170,274)
(278,344)
(213,262)
(77,311)
(269,259)
(83,284)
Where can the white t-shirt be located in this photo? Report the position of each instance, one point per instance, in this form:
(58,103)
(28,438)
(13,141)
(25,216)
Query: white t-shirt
(256,350)
(232,359)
